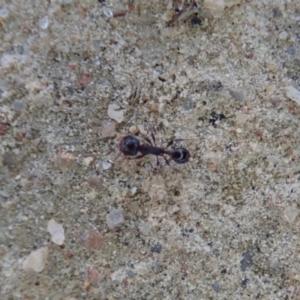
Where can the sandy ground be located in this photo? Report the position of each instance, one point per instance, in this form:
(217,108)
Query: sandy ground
(80,221)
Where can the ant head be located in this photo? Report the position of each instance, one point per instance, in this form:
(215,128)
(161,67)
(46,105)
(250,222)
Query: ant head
(129,145)
(180,155)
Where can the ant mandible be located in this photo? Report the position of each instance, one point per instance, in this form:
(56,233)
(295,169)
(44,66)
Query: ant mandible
(131,146)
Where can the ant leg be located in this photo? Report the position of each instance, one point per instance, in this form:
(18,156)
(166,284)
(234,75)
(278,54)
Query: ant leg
(172,141)
(146,139)
(134,94)
(169,144)
(167,161)
(137,157)
(157,161)
(153,138)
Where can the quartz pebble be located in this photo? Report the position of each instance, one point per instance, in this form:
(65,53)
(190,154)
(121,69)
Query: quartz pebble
(4,13)
(173,209)
(56,231)
(36,260)
(106,164)
(293,94)
(291,213)
(274,263)
(107,12)
(237,95)
(115,218)
(115,113)
(44,22)
(108,129)
(88,160)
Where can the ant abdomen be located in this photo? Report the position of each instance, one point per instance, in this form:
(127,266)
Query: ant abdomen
(129,145)
(180,155)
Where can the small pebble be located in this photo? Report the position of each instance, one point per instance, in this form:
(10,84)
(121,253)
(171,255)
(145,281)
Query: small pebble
(9,160)
(18,105)
(274,264)
(64,160)
(115,113)
(120,275)
(56,231)
(108,129)
(237,95)
(154,107)
(133,129)
(168,15)
(216,287)
(173,209)
(87,160)
(188,103)
(240,118)
(291,50)
(105,164)
(4,13)
(133,190)
(91,196)
(107,12)
(115,218)
(247,261)
(36,260)
(44,22)
(92,239)
(293,94)
(291,213)
(95,182)
(144,228)
(283,36)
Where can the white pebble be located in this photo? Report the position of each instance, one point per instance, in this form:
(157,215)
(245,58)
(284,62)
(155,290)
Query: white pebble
(105,164)
(291,213)
(44,22)
(115,218)
(57,232)
(283,36)
(115,113)
(87,160)
(274,263)
(36,260)
(108,12)
(293,94)
(133,190)
(173,209)
(4,13)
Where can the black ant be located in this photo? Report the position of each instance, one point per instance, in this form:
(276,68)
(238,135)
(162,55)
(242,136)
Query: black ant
(131,146)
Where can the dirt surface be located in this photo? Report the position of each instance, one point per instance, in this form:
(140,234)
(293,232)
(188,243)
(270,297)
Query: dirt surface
(80,221)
